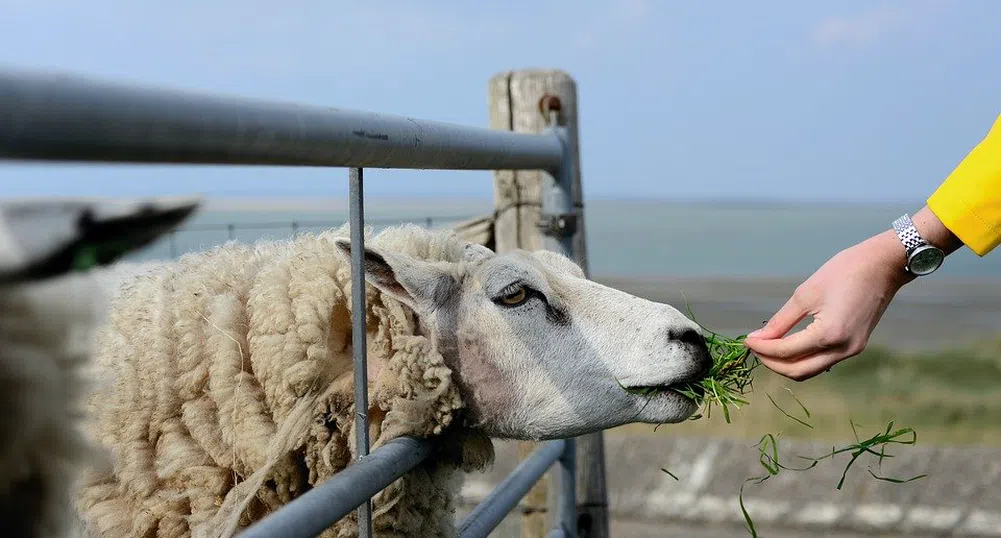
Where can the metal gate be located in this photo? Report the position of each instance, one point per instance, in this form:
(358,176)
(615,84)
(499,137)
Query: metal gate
(55,117)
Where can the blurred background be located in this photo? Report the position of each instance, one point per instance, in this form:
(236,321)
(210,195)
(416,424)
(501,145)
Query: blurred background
(728,150)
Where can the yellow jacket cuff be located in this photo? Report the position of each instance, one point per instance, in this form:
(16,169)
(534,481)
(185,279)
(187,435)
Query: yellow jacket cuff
(968,202)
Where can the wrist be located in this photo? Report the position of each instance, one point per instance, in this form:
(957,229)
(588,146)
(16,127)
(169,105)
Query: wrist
(929,238)
(892,256)
(934,232)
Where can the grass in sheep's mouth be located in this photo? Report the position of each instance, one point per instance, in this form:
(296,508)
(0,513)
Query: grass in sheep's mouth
(728,380)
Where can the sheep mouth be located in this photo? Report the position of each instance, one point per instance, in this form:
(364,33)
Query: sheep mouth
(685,389)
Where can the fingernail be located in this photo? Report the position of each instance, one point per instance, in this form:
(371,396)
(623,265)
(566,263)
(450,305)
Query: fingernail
(753,334)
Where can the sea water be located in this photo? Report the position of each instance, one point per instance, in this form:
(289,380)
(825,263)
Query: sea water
(625,238)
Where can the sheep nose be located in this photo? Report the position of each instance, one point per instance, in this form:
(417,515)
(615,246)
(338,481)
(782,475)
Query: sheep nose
(693,340)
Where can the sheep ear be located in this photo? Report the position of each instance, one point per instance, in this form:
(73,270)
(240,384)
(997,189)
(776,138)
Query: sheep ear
(416,283)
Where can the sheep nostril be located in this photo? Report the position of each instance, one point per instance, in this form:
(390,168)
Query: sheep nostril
(690,337)
(693,338)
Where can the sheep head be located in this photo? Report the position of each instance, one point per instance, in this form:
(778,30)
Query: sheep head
(538,350)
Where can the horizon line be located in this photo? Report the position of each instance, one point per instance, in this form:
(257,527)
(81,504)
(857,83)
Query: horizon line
(313,200)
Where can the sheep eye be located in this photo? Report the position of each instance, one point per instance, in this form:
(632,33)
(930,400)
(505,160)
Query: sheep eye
(515,297)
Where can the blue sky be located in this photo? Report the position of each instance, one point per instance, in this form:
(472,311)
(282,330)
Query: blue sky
(790,100)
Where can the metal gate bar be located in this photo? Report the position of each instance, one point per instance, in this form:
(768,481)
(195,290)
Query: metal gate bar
(356,216)
(319,508)
(505,496)
(59,117)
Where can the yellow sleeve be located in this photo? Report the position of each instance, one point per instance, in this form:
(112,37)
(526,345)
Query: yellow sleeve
(968,202)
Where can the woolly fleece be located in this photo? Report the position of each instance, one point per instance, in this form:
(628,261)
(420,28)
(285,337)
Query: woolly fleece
(226,390)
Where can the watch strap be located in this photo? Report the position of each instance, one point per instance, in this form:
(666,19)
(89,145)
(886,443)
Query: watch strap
(907,233)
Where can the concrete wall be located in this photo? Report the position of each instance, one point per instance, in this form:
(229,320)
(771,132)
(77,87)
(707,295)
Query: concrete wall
(960,497)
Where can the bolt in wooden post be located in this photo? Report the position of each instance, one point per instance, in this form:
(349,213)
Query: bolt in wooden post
(515,105)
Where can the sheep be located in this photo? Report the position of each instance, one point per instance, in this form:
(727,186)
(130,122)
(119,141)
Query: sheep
(45,339)
(226,377)
(51,305)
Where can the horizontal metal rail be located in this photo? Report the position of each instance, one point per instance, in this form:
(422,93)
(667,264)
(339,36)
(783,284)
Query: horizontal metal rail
(262,225)
(505,496)
(68,117)
(231,228)
(314,511)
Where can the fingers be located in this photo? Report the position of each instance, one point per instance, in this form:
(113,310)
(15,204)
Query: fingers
(785,319)
(806,342)
(807,367)
(807,353)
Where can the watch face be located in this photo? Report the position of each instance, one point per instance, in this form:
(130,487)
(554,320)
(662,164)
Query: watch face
(926,260)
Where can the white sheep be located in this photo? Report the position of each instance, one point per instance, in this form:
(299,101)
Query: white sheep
(46,331)
(227,382)
(50,309)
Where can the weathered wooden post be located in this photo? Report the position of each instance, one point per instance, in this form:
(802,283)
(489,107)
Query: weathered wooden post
(521,101)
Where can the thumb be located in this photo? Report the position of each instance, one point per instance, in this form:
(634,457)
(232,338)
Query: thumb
(785,319)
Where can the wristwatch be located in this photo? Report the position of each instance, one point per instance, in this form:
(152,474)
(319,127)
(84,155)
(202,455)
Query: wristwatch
(922,257)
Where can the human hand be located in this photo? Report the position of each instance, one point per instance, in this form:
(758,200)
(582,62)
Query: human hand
(846,298)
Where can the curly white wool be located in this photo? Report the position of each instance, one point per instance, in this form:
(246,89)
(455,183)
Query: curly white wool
(226,390)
